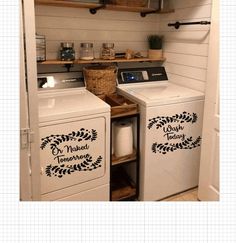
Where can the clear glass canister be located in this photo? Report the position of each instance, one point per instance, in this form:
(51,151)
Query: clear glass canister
(40,48)
(108,51)
(67,52)
(86,51)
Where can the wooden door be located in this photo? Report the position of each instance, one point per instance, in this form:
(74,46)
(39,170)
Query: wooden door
(209,166)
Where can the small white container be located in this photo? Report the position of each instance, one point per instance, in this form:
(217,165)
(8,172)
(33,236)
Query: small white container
(86,51)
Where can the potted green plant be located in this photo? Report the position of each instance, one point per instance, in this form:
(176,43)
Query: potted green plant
(155,46)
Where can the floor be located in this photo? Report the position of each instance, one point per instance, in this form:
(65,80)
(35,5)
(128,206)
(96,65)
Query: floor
(190,195)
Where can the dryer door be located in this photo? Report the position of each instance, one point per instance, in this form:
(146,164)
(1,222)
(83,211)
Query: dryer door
(72,153)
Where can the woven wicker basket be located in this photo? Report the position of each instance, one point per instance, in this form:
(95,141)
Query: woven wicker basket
(130,3)
(100,80)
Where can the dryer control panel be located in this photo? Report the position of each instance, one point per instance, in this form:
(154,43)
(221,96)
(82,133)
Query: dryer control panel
(140,75)
(63,80)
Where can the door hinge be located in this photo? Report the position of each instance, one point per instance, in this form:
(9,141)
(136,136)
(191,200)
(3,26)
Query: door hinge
(26,137)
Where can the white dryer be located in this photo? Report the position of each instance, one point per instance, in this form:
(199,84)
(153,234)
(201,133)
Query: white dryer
(74,127)
(170,131)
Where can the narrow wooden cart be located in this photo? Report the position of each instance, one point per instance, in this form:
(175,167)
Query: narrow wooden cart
(124,179)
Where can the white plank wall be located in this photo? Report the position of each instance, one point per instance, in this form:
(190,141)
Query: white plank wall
(186,49)
(125,29)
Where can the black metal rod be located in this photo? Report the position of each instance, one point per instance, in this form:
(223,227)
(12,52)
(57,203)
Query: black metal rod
(178,24)
(94,10)
(143,14)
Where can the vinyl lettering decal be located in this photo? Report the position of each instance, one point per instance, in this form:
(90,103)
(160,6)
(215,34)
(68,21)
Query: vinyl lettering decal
(64,153)
(173,129)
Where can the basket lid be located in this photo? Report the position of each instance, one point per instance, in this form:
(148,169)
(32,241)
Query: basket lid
(97,68)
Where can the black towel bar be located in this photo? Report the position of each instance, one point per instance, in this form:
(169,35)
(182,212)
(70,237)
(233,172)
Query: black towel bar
(177,24)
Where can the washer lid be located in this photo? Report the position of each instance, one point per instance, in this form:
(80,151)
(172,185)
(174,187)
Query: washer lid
(165,93)
(69,104)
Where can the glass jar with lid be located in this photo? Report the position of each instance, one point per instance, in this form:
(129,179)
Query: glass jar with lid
(86,51)
(67,52)
(108,51)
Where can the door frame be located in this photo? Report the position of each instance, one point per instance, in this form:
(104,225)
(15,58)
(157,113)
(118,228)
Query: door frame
(28,13)
(207,192)
(25,167)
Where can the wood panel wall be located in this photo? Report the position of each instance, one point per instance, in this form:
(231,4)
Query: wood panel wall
(186,49)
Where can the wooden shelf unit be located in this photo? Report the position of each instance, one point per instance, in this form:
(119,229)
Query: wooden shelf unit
(122,187)
(125,188)
(74,4)
(117,60)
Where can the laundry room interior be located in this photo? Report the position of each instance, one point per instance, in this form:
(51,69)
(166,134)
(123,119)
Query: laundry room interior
(119,100)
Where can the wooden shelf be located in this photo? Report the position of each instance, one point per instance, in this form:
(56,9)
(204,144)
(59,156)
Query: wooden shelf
(117,60)
(136,9)
(167,11)
(127,8)
(120,60)
(122,186)
(55,62)
(124,159)
(123,193)
(75,4)
(65,3)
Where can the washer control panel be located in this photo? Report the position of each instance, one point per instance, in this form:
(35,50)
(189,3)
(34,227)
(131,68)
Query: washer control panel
(130,76)
(140,75)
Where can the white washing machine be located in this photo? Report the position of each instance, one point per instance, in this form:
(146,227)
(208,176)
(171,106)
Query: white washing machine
(74,127)
(170,131)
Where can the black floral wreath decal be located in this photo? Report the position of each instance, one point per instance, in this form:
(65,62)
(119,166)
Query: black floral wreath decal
(171,147)
(163,120)
(55,140)
(61,170)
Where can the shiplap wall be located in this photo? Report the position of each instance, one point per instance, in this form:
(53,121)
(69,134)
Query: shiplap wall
(125,29)
(186,49)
